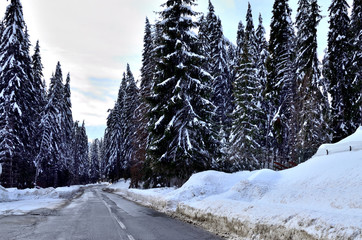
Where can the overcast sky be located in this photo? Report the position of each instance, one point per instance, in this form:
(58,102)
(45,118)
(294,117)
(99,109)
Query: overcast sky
(95,39)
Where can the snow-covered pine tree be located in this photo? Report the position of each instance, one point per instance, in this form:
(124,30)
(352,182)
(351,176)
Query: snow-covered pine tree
(231,58)
(130,124)
(181,141)
(49,161)
(114,135)
(142,118)
(356,59)
(81,164)
(240,38)
(281,86)
(263,55)
(67,124)
(311,106)
(204,40)
(94,161)
(16,100)
(246,141)
(148,64)
(336,71)
(38,78)
(221,85)
(102,159)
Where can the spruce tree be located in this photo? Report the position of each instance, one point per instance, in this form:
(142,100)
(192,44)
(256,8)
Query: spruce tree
(130,124)
(102,159)
(204,39)
(246,141)
(311,106)
(38,78)
(147,61)
(50,159)
(17,100)
(141,116)
(262,56)
(181,140)
(67,133)
(336,71)
(281,80)
(219,69)
(356,60)
(240,38)
(115,136)
(94,161)
(81,164)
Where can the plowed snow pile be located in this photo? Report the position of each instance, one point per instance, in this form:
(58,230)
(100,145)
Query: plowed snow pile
(17,202)
(319,199)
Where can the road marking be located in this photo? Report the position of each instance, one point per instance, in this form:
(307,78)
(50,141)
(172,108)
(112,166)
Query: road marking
(119,222)
(114,216)
(130,237)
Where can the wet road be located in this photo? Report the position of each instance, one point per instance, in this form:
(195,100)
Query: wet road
(99,215)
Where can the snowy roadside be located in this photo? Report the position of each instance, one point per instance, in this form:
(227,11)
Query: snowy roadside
(319,199)
(18,202)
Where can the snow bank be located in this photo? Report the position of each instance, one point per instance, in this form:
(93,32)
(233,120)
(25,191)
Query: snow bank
(16,202)
(351,143)
(321,198)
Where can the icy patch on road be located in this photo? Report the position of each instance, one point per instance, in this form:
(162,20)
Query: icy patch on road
(319,199)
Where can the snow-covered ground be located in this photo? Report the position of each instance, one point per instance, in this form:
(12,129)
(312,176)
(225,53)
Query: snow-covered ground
(319,199)
(17,202)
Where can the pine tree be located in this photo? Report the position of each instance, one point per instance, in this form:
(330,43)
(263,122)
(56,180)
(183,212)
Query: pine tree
(130,124)
(262,48)
(336,71)
(67,125)
(240,38)
(16,100)
(246,141)
(141,116)
(115,135)
(219,69)
(180,141)
(356,60)
(38,78)
(204,40)
(147,61)
(94,161)
(311,105)
(281,80)
(102,159)
(81,155)
(131,127)
(49,161)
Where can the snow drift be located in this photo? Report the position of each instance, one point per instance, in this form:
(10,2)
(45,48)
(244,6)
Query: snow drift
(16,202)
(321,198)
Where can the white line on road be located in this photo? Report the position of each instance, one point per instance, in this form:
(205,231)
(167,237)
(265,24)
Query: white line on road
(119,222)
(114,216)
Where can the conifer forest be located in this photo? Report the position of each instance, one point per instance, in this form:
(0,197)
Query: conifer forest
(202,102)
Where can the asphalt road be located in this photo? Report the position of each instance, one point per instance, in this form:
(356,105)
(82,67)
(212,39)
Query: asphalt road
(99,215)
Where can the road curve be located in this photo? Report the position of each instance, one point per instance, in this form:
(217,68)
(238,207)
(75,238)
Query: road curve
(99,215)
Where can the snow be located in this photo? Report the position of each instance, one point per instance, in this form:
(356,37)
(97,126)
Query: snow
(18,202)
(321,198)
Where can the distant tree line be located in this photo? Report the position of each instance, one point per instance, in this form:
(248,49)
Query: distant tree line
(204,103)
(40,145)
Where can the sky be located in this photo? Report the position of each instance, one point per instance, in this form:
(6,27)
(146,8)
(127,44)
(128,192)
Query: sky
(95,39)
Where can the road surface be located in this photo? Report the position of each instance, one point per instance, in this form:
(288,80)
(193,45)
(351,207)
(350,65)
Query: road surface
(99,215)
